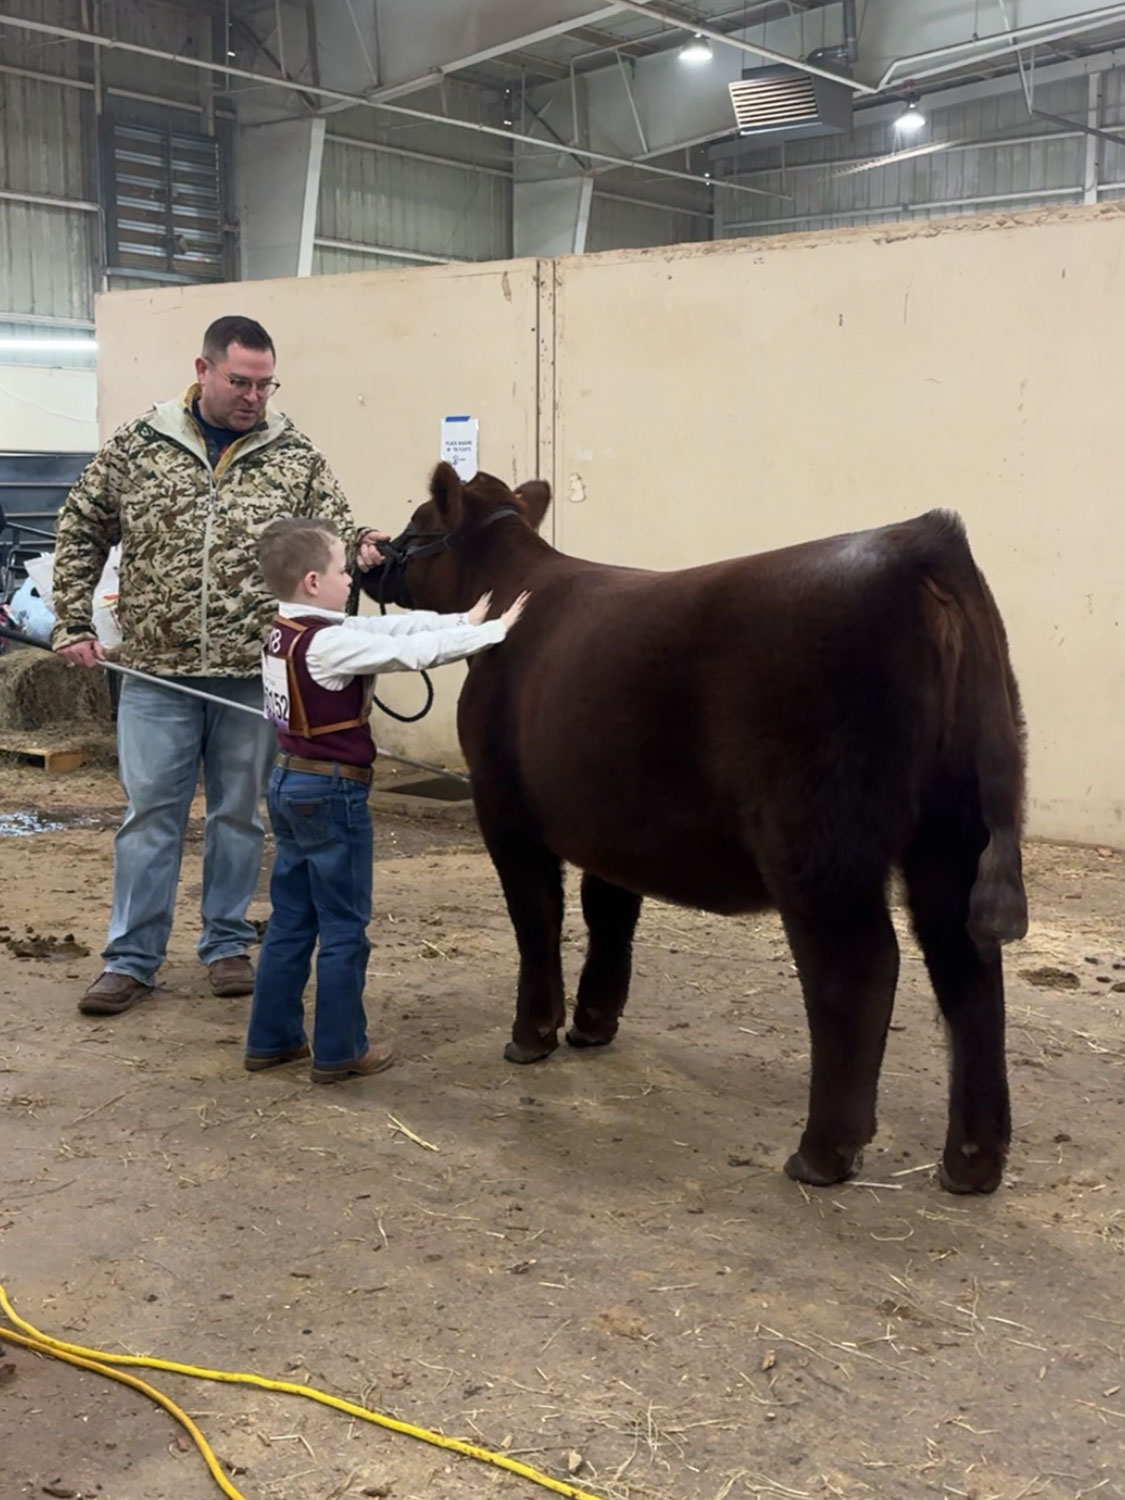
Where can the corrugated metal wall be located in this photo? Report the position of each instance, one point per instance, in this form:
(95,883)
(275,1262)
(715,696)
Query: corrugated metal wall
(46,249)
(1040,162)
(52,253)
(623,223)
(428,191)
(1111,159)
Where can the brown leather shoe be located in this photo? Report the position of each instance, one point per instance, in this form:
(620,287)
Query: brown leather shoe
(378,1056)
(259,1064)
(231,976)
(110,994)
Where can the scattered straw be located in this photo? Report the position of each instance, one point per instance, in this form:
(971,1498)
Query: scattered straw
(397,1125)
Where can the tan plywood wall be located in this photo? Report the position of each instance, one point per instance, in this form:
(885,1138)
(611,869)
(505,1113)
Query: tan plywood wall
(727,398)
(710,400)
(369,364)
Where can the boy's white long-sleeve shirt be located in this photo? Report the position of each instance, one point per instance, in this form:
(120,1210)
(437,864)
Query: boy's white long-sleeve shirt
(362,645)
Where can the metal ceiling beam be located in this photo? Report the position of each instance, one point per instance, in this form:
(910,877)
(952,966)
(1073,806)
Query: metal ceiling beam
(531,62)
(242,29)
(727,40)
(498,48)
(1008,43)
(760,12)
(91,39)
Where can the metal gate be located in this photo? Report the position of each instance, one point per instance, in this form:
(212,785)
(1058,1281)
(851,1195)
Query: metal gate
(33,487)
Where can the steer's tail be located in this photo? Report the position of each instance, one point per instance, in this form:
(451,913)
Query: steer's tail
(989,723)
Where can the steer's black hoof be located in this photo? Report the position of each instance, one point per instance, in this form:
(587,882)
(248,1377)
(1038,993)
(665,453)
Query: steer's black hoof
(799,1170)
(966,1174)
(516,1052)
(576,1038)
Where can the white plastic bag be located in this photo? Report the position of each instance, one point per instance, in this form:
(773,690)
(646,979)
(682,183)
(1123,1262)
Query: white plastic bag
(105,602)
(41,571)
(28,613)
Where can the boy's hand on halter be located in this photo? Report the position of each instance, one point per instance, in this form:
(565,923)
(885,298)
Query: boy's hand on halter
(367,554)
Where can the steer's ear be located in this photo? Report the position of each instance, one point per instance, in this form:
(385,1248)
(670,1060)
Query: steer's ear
(533,498)
(445,492)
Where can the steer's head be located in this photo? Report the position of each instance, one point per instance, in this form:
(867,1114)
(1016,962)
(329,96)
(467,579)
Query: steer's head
(464,539)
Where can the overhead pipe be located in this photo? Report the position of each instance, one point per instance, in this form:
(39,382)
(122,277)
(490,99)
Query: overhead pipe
(851,33)
(358,101)
(847,53)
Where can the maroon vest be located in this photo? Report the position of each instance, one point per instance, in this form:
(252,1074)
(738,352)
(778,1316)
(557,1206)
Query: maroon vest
(315,722)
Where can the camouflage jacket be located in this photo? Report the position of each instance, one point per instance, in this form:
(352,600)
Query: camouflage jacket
(191,599)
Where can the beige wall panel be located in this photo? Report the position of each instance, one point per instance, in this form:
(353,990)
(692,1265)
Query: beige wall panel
(369,364)
(723,399)
(712,400)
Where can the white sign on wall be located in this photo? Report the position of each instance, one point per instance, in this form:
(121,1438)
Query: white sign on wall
(460,438)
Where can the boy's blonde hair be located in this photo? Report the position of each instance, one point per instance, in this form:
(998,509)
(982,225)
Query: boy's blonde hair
(291,547)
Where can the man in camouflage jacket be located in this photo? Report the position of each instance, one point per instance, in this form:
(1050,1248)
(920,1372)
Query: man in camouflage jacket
(187,489)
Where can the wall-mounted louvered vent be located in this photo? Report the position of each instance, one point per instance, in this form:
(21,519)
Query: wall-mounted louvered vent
(784,102)
(163,203)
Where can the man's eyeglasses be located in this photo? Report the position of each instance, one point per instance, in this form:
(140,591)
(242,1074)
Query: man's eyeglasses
(245,386)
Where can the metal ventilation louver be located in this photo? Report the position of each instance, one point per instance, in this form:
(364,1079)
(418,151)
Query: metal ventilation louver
(787,103)
(163,203)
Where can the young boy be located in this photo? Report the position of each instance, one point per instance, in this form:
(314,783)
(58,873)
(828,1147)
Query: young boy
(318,669)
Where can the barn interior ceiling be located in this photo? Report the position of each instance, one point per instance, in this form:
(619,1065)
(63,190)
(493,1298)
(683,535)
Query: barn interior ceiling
(576,86)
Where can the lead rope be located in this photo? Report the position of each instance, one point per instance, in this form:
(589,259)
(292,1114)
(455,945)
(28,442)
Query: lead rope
(352,608)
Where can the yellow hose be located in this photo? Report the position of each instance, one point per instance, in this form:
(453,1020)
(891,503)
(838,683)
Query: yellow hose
(39,1346)
(99,1362)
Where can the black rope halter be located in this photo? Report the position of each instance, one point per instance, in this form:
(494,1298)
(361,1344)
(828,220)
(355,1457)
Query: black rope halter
(388,581)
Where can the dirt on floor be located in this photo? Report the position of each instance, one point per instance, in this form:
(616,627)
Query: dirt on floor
(594,1265)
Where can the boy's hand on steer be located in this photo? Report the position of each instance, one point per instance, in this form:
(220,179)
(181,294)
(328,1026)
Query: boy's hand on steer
(479,612)
(513,612)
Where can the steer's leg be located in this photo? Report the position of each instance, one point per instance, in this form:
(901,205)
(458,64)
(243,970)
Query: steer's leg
(611,918)
(532,880)
(940,870)
(847,959)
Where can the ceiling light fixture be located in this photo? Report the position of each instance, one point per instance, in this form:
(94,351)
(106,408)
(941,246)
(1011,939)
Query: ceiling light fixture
(698,50)
(912,120)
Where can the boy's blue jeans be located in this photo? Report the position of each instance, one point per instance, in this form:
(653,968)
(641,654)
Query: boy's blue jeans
(320,889)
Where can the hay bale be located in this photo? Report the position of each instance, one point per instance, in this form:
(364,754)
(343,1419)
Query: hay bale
(37,691)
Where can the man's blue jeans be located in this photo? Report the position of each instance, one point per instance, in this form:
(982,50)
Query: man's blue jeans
(162,738)
(320,890)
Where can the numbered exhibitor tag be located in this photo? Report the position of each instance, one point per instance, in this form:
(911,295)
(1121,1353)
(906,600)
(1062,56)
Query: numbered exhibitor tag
(275,687)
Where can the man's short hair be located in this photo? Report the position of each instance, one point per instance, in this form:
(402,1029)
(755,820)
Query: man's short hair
(291,547)
(224,332)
